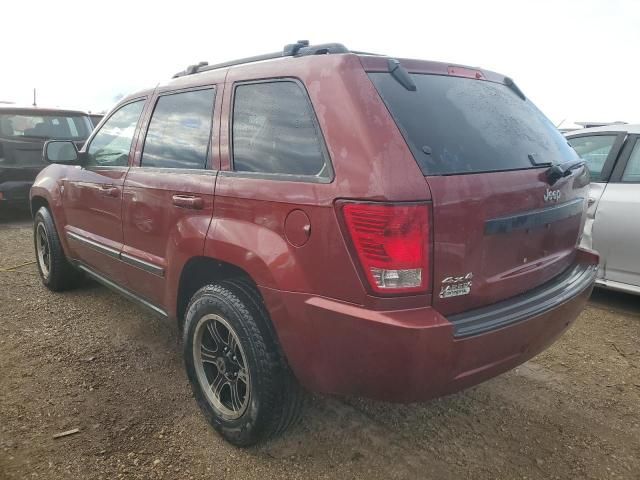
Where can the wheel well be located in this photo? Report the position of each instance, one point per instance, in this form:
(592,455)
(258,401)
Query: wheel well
(37,203)
(198,272)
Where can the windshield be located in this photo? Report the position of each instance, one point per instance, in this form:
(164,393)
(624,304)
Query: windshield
(460,125)
(64,127)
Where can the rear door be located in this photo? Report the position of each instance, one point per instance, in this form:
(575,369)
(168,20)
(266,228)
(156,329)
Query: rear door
(600,150)
(168,193)
(92,193)
(500,227)
(616,230)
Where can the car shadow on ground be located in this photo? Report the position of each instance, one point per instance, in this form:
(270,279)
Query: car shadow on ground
(616,301)
(15,217)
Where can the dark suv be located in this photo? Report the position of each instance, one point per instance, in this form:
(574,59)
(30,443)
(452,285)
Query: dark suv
(23,131)
(352,223)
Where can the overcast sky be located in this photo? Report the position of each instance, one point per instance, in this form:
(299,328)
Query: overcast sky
(577,59)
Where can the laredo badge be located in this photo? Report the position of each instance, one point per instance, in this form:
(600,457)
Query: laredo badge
(456,286)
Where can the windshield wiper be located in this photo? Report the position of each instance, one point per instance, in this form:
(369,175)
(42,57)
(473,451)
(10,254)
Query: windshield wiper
(556,172)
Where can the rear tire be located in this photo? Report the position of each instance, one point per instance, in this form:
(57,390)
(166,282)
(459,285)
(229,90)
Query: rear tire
(56,272)
(239,378)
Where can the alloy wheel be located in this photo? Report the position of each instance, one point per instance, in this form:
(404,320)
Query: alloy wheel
(221,366)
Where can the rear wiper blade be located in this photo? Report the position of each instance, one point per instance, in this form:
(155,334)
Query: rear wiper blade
(556,172)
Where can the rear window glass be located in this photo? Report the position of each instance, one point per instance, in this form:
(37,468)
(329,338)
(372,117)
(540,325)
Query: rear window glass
(595,150)
(63,127)
(461,125)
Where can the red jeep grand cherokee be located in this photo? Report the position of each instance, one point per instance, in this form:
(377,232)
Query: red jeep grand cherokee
(352,223)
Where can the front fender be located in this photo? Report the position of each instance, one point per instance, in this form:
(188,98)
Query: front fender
(48,186)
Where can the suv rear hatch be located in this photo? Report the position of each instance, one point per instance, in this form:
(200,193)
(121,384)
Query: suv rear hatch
(500,226)
(23,133)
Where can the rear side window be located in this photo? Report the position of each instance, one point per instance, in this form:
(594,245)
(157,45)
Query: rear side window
(275,132)
(461,125)
(179,131)
(594,150)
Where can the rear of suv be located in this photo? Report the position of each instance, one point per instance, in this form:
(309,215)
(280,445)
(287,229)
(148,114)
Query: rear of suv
(23,132)
(351,223)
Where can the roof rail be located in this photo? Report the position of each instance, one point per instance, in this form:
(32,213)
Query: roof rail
(298,49)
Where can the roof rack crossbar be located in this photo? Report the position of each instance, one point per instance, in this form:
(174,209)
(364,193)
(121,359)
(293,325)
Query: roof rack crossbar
(298,49)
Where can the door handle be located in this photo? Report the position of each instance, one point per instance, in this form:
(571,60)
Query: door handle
(188,201)
(109,190)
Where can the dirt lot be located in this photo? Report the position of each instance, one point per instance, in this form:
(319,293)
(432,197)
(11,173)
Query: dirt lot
(88,359)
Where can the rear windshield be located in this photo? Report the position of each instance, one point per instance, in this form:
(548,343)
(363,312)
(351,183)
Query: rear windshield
(462,125)
(64,127)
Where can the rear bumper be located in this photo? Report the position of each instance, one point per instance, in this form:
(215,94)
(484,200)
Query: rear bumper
(418,354)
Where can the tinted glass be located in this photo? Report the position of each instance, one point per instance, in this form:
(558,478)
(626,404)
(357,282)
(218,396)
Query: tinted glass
(112,143)
(179,131)
(632,170)
(594,150)
(274,131)
(462,125)
(62,127)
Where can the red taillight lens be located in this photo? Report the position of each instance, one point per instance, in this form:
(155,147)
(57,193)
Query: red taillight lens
(392,243)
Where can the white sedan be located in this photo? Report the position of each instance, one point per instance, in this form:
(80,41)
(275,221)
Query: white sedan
(612,154)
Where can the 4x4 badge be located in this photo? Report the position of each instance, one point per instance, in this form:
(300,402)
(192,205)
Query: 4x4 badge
(456,286)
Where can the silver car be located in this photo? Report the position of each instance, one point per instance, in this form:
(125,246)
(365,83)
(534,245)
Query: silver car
(612,154)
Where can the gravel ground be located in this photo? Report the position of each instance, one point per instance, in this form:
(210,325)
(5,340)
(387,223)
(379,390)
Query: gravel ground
(89,359)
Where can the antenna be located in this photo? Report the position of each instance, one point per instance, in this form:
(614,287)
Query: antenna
(34,98)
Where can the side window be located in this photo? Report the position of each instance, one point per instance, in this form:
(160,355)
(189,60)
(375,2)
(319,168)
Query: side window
(274,131)
(180,130)
(111,145)
(632,170)
(594,150)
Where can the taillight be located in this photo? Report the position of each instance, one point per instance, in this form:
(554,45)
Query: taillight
(392,243)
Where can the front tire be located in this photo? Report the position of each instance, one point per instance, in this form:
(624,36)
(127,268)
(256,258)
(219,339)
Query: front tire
(238,375)
(56,272)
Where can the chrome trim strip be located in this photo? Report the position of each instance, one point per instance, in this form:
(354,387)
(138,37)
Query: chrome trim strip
(112,168)
(177,171)
(112,252)
(146,266)
(121,290)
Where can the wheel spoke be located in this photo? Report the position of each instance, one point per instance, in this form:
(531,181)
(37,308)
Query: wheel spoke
(218,384)
(232,344)
(243,376)
(208,355)
(215,335)
(236,403)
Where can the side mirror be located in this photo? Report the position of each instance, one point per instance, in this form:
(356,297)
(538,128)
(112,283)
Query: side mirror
(61,151)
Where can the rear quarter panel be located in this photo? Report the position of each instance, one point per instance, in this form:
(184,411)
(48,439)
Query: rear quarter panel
(371,162)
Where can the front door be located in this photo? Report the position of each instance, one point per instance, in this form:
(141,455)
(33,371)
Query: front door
(616,230)
(92,193)
(168,193)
